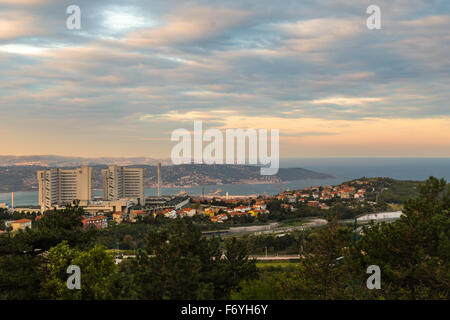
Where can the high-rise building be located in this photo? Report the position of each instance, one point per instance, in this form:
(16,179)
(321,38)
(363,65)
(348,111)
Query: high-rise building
(123,182)
(60,186)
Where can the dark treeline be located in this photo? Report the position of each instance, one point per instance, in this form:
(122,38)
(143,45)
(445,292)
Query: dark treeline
(175,263)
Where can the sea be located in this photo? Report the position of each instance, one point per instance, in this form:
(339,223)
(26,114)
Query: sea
(343,169)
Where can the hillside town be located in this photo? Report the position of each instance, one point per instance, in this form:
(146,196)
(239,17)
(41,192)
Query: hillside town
(310,201)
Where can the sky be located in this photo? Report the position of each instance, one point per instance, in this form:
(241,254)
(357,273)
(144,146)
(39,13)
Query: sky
(138,70)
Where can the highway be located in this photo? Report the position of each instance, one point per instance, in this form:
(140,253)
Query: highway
(264,229)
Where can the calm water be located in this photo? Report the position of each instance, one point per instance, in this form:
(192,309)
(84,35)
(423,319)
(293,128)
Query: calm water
(342,168)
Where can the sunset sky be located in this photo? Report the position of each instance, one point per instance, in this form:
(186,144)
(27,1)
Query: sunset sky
(135,72)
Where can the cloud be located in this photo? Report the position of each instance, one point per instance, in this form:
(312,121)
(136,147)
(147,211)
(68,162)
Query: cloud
(346,101)
(22,49)
(25,2)
(16,24)
(214,115)
(190,25)
(311,68)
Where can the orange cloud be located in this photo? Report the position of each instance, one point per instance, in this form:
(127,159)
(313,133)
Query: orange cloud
(15,24)
(25,2)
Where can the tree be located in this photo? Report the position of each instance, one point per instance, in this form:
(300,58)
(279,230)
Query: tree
(69,218)
(20,276)
(413,252)
(58,225)
(266,287)
(96,265)
(236,266)
(20,267)
(320,275)
(179,264)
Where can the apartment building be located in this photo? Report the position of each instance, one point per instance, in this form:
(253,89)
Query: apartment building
(123,182)
(60,186)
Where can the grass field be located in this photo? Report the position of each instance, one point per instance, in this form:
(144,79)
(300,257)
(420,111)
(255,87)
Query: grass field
(395,206)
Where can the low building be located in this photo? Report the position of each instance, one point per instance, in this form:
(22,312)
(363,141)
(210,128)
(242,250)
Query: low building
(16,225)
(99,222)
(238,213)
(117,216)
(106,206)
(209,212)
(153,204)
(256,213)
(27,209)
(344,195)
(291,199)
(219,218)
(186,212)
(313,203)
(134,214)
(242,208)
(260,206)
(168,213)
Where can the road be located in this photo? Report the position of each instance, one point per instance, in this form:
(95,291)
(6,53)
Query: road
(276,258)
(265,229)
(286,257)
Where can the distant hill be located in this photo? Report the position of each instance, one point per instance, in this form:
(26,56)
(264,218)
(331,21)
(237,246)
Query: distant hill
(23,177)
(61,161)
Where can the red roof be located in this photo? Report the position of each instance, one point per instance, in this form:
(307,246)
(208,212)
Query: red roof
(237,213)
(21,221)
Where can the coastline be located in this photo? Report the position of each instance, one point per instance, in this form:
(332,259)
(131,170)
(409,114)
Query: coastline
(31,197)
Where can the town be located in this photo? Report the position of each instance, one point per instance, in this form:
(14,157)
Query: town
(123,201)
